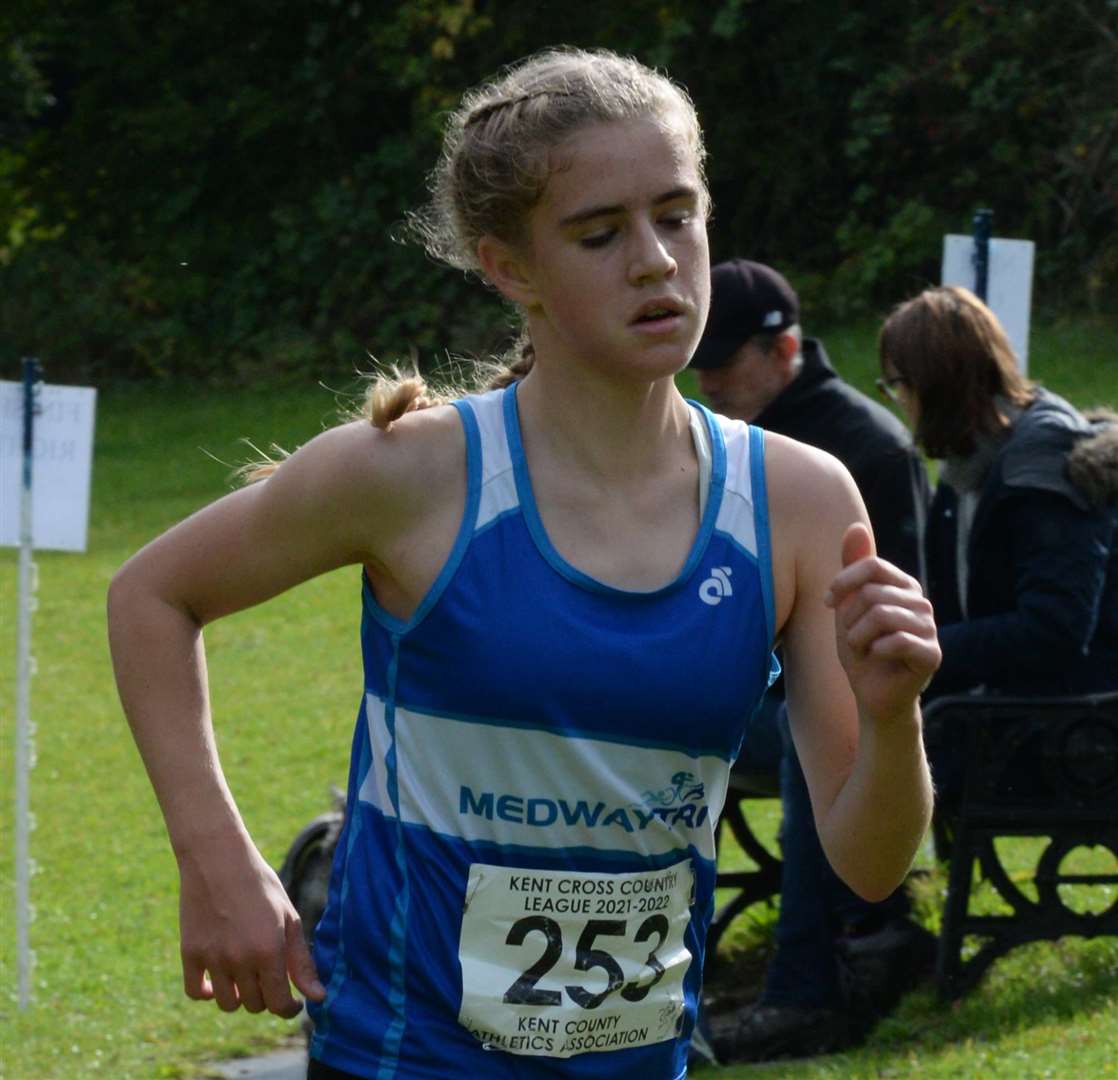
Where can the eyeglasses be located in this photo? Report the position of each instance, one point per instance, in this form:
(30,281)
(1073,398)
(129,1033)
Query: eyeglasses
(888,387)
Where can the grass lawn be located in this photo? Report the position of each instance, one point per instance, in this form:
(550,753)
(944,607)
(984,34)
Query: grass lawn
(286,681)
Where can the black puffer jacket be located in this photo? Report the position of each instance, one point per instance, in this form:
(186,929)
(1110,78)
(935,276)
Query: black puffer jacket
(1042,594)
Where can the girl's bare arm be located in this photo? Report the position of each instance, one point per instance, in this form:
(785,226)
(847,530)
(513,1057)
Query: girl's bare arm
(859,646)
(347,497)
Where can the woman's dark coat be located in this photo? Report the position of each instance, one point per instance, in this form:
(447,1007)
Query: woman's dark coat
(1042,595)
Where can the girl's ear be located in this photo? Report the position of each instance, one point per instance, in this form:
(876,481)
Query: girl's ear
(506,268)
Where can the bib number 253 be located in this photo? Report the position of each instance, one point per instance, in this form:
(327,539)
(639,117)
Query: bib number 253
(592,951)
(563,962)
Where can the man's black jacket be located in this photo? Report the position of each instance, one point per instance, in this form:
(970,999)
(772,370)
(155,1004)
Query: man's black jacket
(818,408)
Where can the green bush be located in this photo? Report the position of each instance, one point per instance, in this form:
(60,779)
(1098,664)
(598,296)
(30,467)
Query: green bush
(212,191)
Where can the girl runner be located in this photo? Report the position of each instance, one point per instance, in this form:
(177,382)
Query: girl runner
(571,586)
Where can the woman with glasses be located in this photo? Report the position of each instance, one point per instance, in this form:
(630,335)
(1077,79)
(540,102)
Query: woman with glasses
(1020,548)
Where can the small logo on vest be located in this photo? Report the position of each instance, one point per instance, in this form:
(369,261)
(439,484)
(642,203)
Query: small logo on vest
(716,586)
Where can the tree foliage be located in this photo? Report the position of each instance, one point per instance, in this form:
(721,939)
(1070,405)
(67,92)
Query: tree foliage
(211,188)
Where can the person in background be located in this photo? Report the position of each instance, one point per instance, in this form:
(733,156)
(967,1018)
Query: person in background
(837,959)
(1020,544)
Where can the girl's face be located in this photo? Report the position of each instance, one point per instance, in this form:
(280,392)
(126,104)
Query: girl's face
(618,266)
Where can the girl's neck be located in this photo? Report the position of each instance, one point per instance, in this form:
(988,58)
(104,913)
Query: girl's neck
(610,428)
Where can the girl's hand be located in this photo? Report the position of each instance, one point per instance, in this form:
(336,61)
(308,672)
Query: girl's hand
(884,628)
(241,936)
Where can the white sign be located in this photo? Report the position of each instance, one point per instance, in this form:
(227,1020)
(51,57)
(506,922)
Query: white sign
(61,465)
(1009,283)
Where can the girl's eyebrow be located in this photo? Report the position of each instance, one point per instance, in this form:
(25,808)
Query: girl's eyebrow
(583,216)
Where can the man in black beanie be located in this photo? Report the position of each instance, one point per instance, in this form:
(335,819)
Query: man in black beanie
(754,364)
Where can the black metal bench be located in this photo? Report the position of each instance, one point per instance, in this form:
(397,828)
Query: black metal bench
(760,883)
(1034,767)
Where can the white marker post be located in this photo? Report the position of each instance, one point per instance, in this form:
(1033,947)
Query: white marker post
(50,466)
(23,691)
(1008,284)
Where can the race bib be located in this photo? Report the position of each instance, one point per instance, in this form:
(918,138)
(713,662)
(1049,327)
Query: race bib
(557,963)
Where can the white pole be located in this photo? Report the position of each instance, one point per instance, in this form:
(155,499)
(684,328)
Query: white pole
(23,694)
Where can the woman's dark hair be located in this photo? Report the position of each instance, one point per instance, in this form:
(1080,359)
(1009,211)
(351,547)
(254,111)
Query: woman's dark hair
(956,360)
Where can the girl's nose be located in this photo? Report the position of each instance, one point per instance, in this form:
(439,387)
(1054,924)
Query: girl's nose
(651,260)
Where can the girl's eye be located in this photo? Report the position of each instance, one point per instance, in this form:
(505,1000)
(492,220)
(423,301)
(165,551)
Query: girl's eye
(676,220)
(598,239)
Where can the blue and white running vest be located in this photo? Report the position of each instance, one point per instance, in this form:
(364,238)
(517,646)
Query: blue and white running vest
(526,874)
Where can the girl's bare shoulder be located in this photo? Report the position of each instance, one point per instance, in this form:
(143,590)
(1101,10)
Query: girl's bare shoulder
(806,481)
(420,444)
(812,499)
(353,494)
(387,479)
